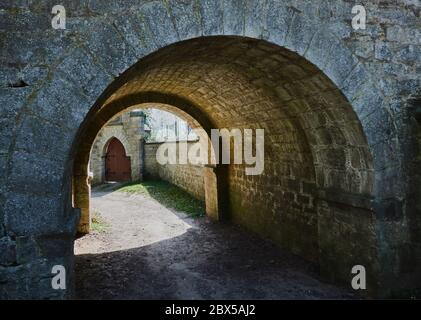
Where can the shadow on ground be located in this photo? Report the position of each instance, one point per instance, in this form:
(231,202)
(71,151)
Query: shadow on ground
(208,261)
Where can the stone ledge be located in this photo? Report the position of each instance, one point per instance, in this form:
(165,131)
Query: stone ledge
(350,199)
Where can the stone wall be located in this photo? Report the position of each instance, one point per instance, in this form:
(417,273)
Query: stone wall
(333,101)
(187,176)
(414,219)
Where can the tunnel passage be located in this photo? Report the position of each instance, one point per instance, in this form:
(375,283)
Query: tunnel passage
(313,196)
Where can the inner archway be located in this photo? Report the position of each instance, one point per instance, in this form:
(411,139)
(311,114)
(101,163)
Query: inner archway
(314,195)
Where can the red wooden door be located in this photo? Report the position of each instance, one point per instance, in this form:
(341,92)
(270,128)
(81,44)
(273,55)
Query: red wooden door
(117,164)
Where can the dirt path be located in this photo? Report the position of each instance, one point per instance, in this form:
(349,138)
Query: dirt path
(151,252)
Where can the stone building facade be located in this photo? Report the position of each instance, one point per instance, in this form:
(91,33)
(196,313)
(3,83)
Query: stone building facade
(340,108)
(128,129)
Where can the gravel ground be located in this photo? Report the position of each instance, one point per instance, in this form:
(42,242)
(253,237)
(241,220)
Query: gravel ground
(151,252)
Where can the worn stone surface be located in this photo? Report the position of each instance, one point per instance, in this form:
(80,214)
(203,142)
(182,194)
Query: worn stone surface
(334,103)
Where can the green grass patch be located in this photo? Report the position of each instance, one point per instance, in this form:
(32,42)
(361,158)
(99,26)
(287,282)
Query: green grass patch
(97,223)
(168,195)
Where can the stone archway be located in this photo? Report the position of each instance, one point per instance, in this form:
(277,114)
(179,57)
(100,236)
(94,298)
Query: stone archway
(67,73)
(81,187)
(318,182)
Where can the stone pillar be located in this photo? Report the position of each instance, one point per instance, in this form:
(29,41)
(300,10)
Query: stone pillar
(82,195)
(103,168)
(347,237)
(216,192)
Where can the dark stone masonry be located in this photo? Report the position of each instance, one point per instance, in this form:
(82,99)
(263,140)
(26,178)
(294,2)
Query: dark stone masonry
(341,110)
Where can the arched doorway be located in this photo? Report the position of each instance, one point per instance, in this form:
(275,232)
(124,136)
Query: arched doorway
(117,163)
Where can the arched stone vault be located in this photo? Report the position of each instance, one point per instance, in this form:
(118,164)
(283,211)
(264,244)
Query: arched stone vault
(68,70)
(314,140)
